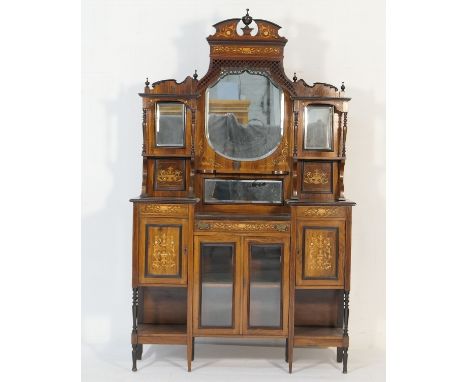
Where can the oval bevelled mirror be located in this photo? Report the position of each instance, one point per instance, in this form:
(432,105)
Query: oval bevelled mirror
(244,116)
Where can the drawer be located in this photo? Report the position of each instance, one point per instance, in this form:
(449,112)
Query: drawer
(256,227)
(150,209)
(321,212)
(320,257)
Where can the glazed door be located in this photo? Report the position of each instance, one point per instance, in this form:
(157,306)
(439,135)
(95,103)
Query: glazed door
(217,279)
(266,284)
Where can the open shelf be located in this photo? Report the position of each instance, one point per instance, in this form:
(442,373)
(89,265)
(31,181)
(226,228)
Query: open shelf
(162,334)
(319,336)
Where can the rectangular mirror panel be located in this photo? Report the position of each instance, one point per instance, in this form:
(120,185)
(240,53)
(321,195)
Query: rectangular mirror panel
(217,285)
(243,191)
(265,285)
(318,133)
(170,124)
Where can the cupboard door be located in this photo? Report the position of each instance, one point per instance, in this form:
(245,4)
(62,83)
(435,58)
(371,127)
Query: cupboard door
(266,284)
(162,251)
(217,276)
(320,261)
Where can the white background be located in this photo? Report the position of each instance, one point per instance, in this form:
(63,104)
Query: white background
(125,41)
(40,193)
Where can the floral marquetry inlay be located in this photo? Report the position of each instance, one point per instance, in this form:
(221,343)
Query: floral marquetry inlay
(256,227)
(245,50)
(164,253)
(170,175)
(316,177)
(323,212)
(171,209)
(320,254)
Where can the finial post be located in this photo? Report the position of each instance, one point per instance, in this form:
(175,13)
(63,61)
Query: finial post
(147,82)
(195,75)
(295,77)
(343,87)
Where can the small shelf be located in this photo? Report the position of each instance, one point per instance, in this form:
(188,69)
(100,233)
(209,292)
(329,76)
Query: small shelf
(319,336)
(162,334)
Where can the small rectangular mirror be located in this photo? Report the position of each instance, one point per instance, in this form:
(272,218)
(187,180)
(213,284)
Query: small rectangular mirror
(243,191)
(170,124)
(318,133)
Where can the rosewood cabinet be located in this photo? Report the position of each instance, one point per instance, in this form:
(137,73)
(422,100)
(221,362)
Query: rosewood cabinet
(242,228)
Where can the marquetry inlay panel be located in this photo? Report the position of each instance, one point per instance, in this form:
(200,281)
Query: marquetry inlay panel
(254,227)
(164,209)
(169,175)
(163,250)
(320,253)
(321,212)
(219,50)
(317,177)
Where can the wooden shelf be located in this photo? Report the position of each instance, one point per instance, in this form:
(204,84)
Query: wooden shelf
(319,336)
(161,334)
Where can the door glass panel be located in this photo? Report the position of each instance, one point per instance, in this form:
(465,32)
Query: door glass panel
(217,285)
(265,285)
(170,124)
(319,128)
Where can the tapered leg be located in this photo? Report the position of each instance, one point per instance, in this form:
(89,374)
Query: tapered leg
(345,360)
(139,351)
(189,353)
(286,350)
(290,355)
(193,348)
(134,357)
(339,354)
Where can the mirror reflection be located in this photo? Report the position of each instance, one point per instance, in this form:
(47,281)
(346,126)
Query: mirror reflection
(319,127)
(170,124)
(244,116)
(243,191)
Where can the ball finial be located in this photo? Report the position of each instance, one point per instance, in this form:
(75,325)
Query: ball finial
(195,75)
(343,87)
(147,82)
(295,77)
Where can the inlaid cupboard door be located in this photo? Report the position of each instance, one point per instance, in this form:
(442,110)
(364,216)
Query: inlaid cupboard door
(162,251)
(321,252)
(217,284)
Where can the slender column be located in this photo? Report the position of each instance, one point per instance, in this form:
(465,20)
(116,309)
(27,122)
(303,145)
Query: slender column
(345,330)
(134,331)
(345,131)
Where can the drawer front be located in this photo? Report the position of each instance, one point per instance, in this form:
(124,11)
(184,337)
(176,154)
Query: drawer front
(320,259)
(321,212)
(255,227)
(178,210)
(162,251)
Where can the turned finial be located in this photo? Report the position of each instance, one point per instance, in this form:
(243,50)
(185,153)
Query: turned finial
(195,75)
(247,19)
(147,82)
(343,87)
(295,77)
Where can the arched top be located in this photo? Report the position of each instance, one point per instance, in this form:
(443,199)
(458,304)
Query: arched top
(226,30)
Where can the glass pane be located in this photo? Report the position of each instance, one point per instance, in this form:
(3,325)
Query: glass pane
(265,285)
(319,128)
(243,191)
(170,124)
(244,116)
(217,284)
